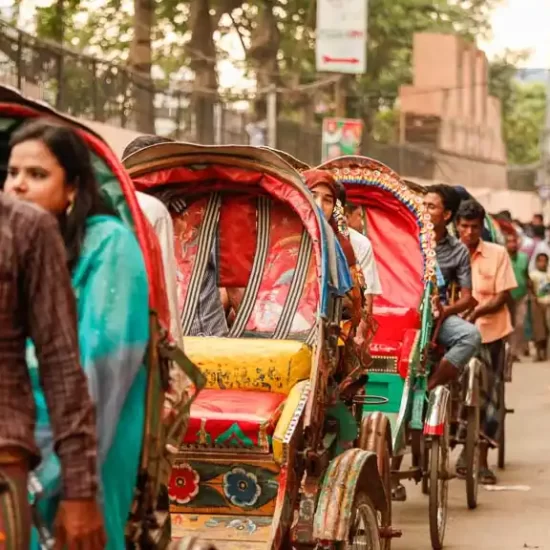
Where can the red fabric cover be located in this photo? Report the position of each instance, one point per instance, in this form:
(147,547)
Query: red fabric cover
(186,235)
(393,322)
(395,236)
(145,234)
(221,177)
(221,409)
(237,241)
(284,242)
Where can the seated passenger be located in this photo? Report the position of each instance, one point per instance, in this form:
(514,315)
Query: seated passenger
(325,191)
(158,216)
(460,338)
(364,254)
(210,317)
(493,279)
(50,166)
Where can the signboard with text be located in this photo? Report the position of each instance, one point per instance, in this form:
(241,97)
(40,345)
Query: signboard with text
(341,44)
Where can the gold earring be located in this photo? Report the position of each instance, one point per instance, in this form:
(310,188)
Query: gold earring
(69,208)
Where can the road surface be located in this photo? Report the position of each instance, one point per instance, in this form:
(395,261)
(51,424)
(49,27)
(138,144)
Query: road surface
(506,520)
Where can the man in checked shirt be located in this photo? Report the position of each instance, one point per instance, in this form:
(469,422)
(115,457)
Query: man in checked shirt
(37,302)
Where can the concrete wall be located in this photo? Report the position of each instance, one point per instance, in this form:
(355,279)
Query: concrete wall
(450,83)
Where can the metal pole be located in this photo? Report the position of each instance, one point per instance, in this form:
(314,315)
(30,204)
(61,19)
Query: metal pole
(272,117)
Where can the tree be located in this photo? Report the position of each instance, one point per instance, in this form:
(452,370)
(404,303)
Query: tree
(523,108)
(523,122)
(140,61)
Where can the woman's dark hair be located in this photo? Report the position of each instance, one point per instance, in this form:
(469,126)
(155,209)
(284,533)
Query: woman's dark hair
(449,197)
(470,210)
(73,156)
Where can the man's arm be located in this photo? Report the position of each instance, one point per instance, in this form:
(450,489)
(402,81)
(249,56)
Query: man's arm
(492,306)
(464,277)
(52,325)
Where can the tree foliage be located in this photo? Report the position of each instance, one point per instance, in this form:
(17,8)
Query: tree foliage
(523,122)
(278,38)
(523,108)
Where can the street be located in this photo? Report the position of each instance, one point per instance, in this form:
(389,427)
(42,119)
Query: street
(503,520)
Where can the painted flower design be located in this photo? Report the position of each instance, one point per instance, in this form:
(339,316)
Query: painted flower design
(184,484)
(241,487)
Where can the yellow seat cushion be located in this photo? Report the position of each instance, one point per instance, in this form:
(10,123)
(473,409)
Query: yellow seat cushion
(290,420)
(250,363)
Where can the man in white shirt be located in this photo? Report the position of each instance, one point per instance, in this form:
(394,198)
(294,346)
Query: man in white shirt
(158,216)
(363,253)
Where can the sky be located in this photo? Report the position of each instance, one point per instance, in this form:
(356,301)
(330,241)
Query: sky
(522,24)
(517,24)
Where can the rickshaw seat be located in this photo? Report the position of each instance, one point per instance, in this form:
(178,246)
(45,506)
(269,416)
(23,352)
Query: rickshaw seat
(253,364)
(394,321)
(234,419)
(397,328)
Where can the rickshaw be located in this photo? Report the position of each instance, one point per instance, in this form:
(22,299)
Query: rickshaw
(259,466)
(149,525)
(403,347)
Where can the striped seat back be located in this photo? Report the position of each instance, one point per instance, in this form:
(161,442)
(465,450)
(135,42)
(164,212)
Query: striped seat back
(260,246)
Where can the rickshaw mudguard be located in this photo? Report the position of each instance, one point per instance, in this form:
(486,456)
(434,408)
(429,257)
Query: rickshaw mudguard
(436,416)
(399,441)
(472,382)
(348,473)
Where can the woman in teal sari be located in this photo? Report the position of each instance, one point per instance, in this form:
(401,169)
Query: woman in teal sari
(50,165)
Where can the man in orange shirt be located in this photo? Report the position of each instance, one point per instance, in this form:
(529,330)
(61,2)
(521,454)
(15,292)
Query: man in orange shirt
(492,279)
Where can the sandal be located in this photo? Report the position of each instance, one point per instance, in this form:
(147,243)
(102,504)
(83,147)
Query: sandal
(461,468)
(487,477)
(399,493)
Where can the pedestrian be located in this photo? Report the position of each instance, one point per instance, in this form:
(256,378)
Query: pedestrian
(37,302)
(50,166)
(541,287)
(518,302)
(542,246)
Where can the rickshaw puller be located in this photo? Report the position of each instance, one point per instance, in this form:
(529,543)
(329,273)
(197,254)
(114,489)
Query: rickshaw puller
(460,338)
(493,279)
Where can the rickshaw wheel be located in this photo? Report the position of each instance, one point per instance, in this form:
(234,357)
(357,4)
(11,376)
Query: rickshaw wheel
(439,488)
(385,519)
(377,441)
(471,452)
(502,436)
(363,531)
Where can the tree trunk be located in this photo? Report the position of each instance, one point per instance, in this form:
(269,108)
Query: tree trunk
(140,61)
(263,51)
(203,62)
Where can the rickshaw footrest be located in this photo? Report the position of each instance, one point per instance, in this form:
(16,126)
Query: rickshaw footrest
(390,533)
